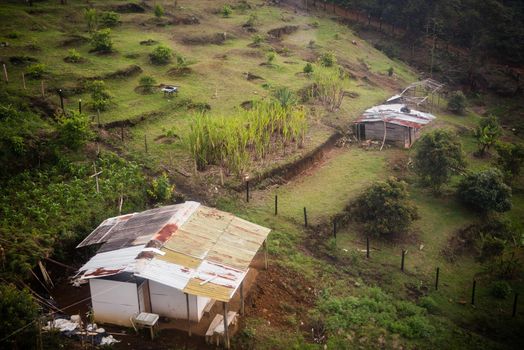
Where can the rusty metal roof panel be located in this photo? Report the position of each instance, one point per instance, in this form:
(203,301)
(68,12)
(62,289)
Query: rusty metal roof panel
(110,263)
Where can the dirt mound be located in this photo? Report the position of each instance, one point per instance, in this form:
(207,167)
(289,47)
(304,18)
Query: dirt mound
(188,20)
(277,33)
(148,42)
(129,8)
(179,72)
(43,106)
(124,73)
(74,40)
(216,39)
(22,60)
(133,121)
(247,105)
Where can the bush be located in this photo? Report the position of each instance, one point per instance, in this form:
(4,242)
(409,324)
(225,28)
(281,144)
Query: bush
(74,130)
(312,44)
(384,209)
(429,304)
(500,289)
(510,159)
(161,55)
(487,133)
(159,11)
(252,20)
(36,71)
(270,56)
(109,19)
(491,247)
(485,191)
(18,309)
(100,97)
(438,156)
(73,56)
(308,68)
(226,11)
(328,59)
(390,71)
(257,39)
(285,97)
(147,83)
(161,189)
(457,102)
(91,17)
(101,40)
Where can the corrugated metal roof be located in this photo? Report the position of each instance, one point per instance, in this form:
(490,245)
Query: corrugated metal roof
(396,114)
(199,250)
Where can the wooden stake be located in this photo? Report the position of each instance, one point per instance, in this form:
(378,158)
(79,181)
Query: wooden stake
(122,133)
(305,217)
(402,261)
(436,278)
(335,228)
(5,73)
(247,191)
(98,117)
(23,81)
(367,247)
(61,100)
(145,142)
(80,105)
(188,319)
(120,204)
(42,88)
(276,204)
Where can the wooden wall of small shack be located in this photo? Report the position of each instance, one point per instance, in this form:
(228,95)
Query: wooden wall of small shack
(396,134)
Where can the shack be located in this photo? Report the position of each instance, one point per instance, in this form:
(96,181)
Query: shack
(171,261)
(395,124)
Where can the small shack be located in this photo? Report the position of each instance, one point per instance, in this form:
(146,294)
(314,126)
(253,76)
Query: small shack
(395,124)
(172,261)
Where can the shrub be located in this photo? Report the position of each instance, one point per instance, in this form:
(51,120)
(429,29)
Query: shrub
(487,133)
(429,304)
(312,44)
(161,55)
(73,130)
(101,40)
(109,19)
(285,97)
(491,247)
(18,309)
(500,289)
(73,56)
(270,56)
(383,209)
(161,189)
(328,59)
(308,68)
(159,11)
(252,20)
(100,97)
(438,156)
(147,83)
(390,71)
(510,159)
(36,71)
(226,11)
(457,102)
(257,39)
(486,191)
(91,17)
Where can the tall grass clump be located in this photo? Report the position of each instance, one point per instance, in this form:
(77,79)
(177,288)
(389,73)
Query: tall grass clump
(233,142)
(329,86)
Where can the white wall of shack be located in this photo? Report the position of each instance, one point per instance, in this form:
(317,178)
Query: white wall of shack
(113,301)
(171,302)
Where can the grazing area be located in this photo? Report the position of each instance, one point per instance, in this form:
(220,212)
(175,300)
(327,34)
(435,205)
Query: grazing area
(360,185)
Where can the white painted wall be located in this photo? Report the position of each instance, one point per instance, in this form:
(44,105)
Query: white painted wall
(171,302)
(113,301)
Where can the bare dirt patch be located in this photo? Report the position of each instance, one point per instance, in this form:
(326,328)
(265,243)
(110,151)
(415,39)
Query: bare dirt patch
(74,41)
(127,72)
(129,8)
(214,39)
(278,33)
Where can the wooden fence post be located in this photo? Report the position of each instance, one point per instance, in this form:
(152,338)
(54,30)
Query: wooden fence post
(5,74)
(23,81)
(247,191)
(305,217)
(335,228)
(80,105)
(436,278)
(145,142)
(42,88)
(473,292)
(367,247)
(402,261)
(276,204)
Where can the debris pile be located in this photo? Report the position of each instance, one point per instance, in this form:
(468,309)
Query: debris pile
(73,328)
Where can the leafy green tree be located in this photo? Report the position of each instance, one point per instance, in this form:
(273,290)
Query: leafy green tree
(147,83)
(457,102)
(487,133)
(486,191)
(510,159)
(18,311)
(159,11)
(73,130)
(328,59)
(73,56)
(384,209)
(257,39)
(438,155)
(100,97)
(308,69)
(101,40)
(109,19)
(161,55)
(91,17)
(161,189)
(285,97)
(226,11)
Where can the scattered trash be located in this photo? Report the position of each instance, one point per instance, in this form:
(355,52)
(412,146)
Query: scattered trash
(108,340)
(72,328)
